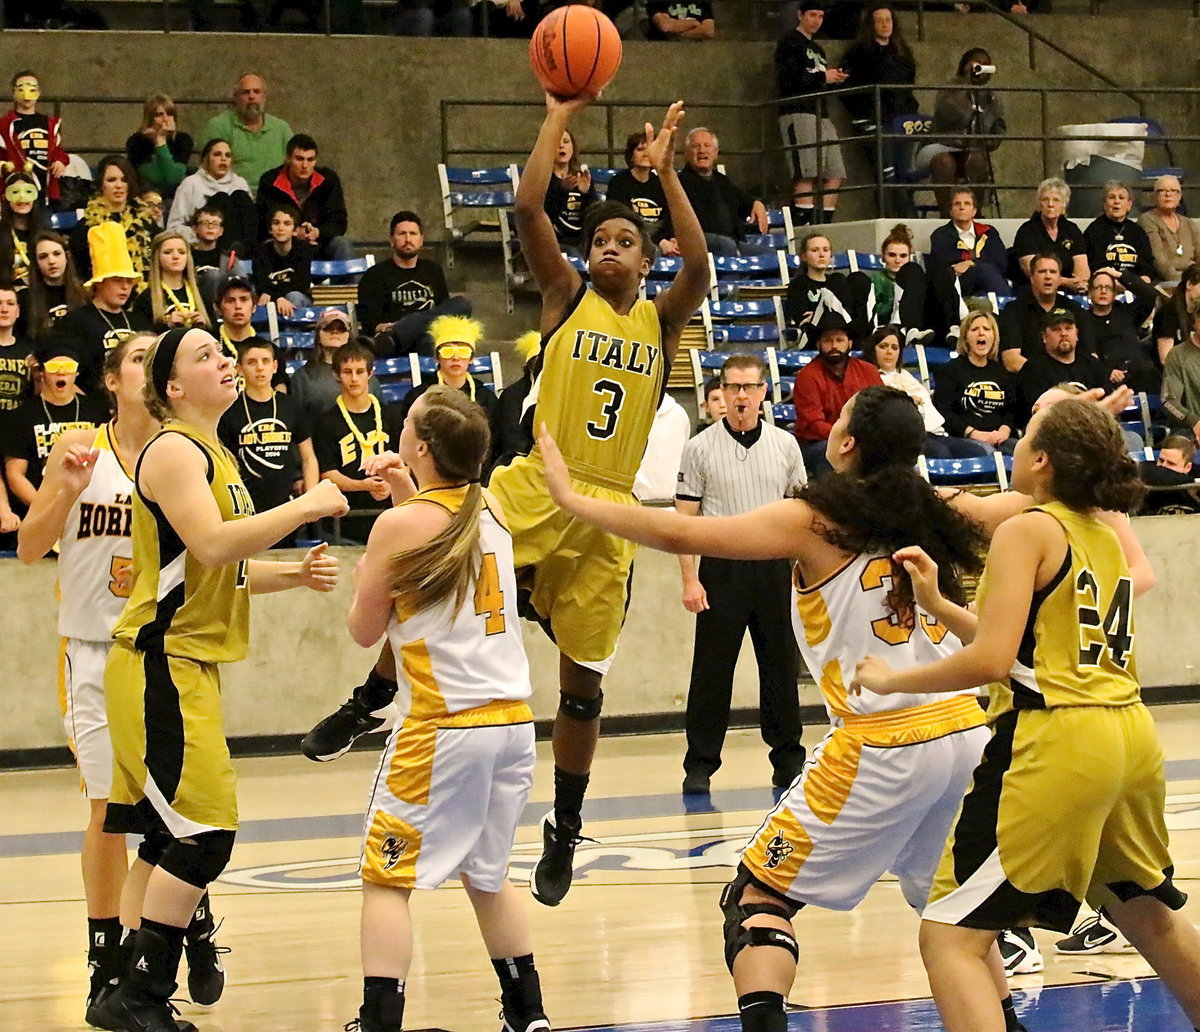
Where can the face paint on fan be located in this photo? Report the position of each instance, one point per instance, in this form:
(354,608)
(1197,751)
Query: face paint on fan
(20,192)
(27,89)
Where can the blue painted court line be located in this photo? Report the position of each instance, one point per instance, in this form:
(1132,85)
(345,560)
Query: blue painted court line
(1138,1005)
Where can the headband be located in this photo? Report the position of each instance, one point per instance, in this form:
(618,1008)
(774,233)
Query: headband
(164,358)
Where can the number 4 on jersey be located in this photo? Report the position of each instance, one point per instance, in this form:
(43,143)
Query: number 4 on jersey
(1112,634)
(489,598)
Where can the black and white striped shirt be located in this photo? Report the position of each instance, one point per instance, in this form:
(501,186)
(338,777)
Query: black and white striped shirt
(730,473)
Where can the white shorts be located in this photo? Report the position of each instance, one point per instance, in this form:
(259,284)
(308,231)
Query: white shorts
(446,801)
(81,699)
(859,811)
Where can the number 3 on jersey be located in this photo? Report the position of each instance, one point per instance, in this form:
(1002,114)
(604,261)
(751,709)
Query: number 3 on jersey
(611,411)
(889,629)
(489,597)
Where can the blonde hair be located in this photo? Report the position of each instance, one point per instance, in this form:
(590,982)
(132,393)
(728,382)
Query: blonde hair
(448,565)
(157,307)
(962,347)
(153,103)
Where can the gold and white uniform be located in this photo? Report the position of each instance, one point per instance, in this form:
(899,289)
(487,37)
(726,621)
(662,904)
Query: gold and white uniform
(94,555)
(456,771)
(881,790)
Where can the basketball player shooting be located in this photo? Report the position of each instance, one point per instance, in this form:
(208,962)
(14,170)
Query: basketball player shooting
(598,382)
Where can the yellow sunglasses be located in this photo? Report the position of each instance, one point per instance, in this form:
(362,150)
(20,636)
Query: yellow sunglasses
(455,351)
(62,365)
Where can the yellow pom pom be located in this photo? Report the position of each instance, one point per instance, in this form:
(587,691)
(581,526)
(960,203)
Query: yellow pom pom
(528,345)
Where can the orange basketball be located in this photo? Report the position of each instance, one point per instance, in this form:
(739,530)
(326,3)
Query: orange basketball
(575,49)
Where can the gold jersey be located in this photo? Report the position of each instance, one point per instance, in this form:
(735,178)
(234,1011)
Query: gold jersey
(600,384)
(178,606)
(1077,646)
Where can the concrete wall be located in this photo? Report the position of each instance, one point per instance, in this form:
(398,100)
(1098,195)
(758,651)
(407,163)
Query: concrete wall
(302,662)
(373,103)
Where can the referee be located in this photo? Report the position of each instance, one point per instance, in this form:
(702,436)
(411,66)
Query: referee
(736,465)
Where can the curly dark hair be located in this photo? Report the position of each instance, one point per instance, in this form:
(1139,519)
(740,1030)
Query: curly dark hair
(885,505)
(1090,465)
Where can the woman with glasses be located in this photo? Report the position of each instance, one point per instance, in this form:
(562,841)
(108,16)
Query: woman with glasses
(1172,235)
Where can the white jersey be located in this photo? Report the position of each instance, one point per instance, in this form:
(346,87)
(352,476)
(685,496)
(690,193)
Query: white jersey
(845,617)
(96,548)
(451,661)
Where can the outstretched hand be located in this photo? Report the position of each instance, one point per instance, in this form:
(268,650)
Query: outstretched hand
(660,147)
(558,477)
(567,106)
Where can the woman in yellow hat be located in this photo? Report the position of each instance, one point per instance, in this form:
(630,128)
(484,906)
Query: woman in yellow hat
(117,200)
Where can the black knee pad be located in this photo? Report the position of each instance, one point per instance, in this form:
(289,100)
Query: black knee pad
(199,859)
(738,936)
(583,710)
(153,846)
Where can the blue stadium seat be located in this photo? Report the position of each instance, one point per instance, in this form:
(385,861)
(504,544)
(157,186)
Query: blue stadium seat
(65,221)
(341,269)
(296,340)
(394,391)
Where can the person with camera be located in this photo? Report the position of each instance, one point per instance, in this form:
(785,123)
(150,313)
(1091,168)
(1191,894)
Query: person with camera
(969,110)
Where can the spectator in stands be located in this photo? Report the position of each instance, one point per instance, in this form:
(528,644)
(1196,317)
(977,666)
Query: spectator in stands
(215,185)
(1023,320)
(680,19)
(158,151)
(1061,360)
(152,202)
(89,332)
(212,262)
(722,208)
(728,470)
(1114,328)
(434,17)
(959,115)
(1172,322)
(816,289)
(172,297)
(314,384)
(638,187)
(1173,238)
(455,339)
(1049,230)
(117,188)
(398,299)
(714,407)
(30,141)
(824,385)
(21,219)
(38,422)
(879,55)
(569,194)
(235,305)
(657,475)
(257,140)
(895,294)
(1181,383)
(966,259)
(316,192)
(357,427)
(268,433)
(884,350)
(54,286)
(512,432)
(802,74)
(1115,241)
(974,392)
(1172,468)
(15,371)
(283,264)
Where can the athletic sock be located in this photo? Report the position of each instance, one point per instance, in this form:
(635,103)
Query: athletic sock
(1011,1022)
(154,962)
(569,790)
(829,213)
(104,946)
(762,1012)
(383,1002)
(802,214)
(376,692)
(520,987)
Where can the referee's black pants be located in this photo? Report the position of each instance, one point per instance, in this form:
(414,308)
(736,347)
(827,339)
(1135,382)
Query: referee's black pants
(754,595)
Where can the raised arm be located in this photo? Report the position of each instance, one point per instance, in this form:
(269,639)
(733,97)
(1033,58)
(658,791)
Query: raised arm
(555,278)
(678,303)
(173,474)
(69,469)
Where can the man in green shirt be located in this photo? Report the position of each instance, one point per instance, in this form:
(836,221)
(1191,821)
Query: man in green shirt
(258,140)
(1181,383)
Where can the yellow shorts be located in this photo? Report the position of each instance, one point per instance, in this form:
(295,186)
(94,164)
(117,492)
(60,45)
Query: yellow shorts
(1066,805)
(577,574)
(169,750)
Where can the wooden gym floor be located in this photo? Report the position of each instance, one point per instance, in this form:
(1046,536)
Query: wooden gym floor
(636,943)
